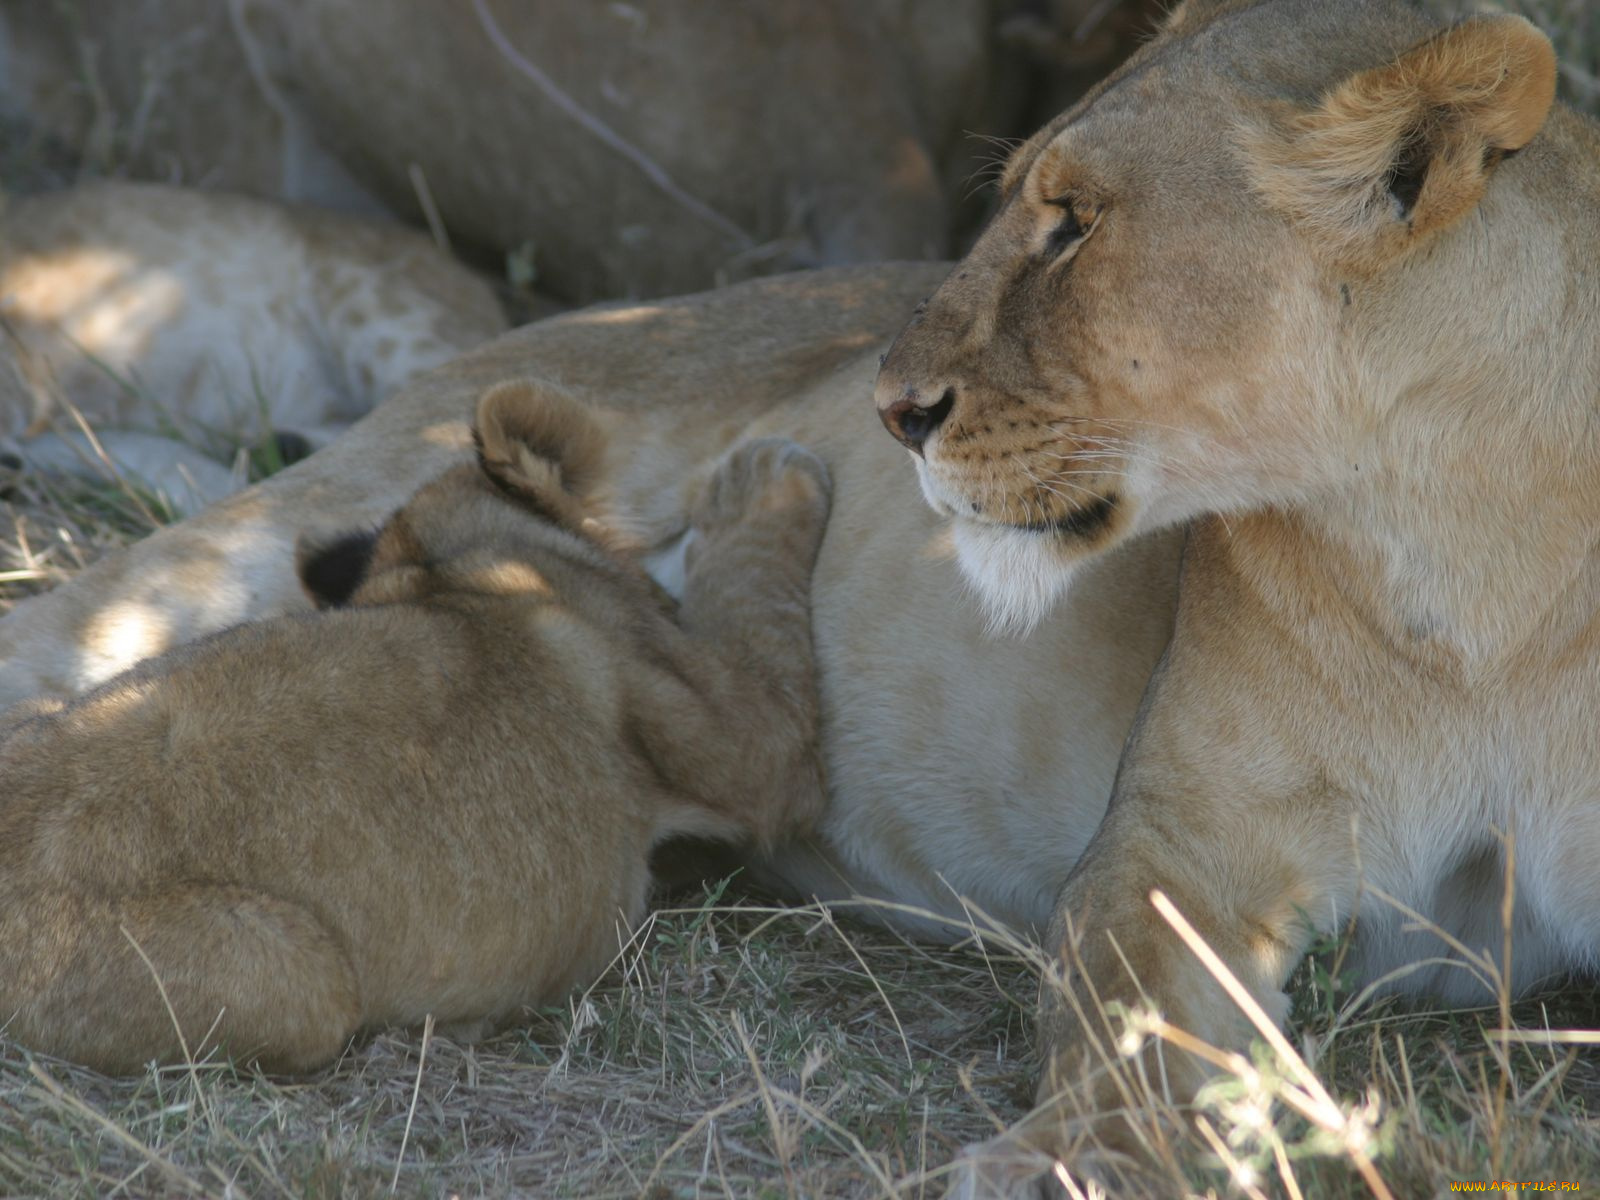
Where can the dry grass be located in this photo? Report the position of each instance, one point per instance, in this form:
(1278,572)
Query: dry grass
(736,1051)
(744,1050)
(52,527)
(749,1051)
(1386,1098)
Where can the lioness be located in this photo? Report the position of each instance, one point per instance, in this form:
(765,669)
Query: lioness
(1328,272)
(437,797)
(962,764)
(634,148)
(641,148)
(162,310)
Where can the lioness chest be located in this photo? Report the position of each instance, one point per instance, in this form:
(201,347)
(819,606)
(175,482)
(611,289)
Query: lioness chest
(1458,789)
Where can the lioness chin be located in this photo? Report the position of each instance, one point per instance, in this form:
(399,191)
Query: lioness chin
(437,796)
(1319,277)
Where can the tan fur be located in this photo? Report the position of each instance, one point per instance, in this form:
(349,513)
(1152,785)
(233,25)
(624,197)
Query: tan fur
(824,132)
(187,91)
(1314,305)
(1463,97)
(437,797)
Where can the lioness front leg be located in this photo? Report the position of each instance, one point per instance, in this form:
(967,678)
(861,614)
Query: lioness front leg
(1253,848)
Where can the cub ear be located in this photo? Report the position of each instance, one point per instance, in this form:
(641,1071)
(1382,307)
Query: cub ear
(1402,151)
(539,444)
(331,571)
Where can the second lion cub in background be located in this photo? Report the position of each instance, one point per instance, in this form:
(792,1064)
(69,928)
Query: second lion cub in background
(439,794)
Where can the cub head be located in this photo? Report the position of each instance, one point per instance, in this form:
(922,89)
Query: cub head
(478,527)
(1212,280)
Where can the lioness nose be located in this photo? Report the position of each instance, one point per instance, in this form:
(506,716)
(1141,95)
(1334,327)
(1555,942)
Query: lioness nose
(910,422)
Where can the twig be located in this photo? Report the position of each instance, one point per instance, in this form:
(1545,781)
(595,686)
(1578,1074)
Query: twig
(780,1141)
(110,465)
(1546,1037)
(430,210)
(605,134)
(172,1015)
(416,1091)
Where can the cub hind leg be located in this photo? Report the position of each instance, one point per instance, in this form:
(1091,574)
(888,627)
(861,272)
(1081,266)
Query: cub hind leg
(261,978)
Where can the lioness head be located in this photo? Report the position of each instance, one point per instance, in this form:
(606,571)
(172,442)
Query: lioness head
(1212,278)
(477,527)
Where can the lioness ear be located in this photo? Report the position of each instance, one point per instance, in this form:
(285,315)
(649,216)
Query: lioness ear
(1186,14)
(330,572)
(1401,151)
(539,444)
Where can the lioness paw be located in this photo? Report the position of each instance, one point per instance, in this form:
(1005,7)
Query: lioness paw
(1011,1166)
(764,477)
(1004,1169)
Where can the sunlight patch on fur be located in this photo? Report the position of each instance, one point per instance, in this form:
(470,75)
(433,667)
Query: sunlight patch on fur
(124,634)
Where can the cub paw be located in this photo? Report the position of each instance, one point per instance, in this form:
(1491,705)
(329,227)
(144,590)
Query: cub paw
(764,478)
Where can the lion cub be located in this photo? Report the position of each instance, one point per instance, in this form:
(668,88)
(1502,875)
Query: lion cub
(438,794)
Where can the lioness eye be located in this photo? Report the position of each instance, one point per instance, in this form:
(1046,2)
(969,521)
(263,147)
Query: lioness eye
(1068,231)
